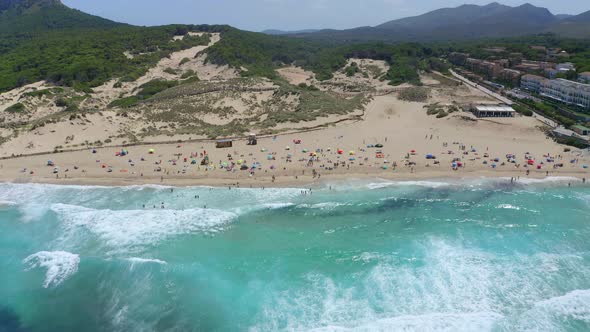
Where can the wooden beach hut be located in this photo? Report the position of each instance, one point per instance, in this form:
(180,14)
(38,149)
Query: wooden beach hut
(224,143)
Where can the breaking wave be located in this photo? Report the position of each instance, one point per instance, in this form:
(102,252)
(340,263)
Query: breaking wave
(129,228)
(60,265)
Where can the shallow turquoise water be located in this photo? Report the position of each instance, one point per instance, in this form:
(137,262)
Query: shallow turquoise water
(364,256)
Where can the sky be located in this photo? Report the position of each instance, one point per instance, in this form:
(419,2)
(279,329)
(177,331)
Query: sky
(258,15)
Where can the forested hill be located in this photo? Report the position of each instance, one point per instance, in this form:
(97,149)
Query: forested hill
(24,16)
(66,47)
(46,40)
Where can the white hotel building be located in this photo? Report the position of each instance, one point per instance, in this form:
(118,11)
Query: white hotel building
(565,91)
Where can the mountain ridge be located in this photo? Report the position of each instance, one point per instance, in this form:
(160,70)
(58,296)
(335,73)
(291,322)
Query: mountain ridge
(467,21)
(276,32)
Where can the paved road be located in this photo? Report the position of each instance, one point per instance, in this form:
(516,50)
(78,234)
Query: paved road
(483,89)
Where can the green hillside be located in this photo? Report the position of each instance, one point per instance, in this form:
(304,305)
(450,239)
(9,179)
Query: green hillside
(45,40)
(22,16)
(261,54)
(84,58)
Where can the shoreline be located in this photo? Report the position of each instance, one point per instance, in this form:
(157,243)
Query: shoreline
(575,178)
(396,141)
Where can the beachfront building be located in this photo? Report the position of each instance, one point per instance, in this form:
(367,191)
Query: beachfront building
(493,111)
(510,75)
(532,82)
(584,77)
(489,69)
(581,130)
(565,67)
(565,91)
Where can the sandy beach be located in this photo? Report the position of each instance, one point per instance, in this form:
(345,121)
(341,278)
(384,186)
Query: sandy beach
(499,147)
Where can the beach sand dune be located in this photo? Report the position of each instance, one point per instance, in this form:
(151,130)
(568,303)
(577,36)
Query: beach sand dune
(399,126)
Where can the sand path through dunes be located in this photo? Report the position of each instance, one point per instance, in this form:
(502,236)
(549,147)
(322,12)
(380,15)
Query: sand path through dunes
(106,93)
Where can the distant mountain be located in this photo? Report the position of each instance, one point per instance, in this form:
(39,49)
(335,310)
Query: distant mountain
(36,15)
(464,22)
(464,14)
(284,33)
(574,26)
(563,16)
(581,18)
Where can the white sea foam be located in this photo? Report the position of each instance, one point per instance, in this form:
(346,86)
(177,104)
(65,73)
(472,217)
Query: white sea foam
(476,321)
(452,288)
(130,228)
(427,184)
(323,206)
(473,183)
(508,207)
(7,204)
(60,265)
(575,304)
(140,261)
(146,260)
(548,180)
(275,206)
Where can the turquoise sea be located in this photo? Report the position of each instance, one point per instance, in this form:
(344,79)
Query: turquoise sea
(363,255)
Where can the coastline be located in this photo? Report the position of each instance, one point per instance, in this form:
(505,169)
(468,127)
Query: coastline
(396,141)
(306,181)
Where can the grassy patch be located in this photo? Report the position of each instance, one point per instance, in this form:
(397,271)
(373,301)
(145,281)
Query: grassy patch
(352,69)
(415,94)
(170,71)
(183,61)
(16,108)
(43,92)
(522,110)
(440,111)
(125,102)
(189,74)
(146,91)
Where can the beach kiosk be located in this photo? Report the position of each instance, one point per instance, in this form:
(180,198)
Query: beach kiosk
(224,143)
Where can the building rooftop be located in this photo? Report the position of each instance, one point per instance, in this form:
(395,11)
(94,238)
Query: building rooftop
(574,84)
(494,108)
(534,77)
(563,131)
(581,127)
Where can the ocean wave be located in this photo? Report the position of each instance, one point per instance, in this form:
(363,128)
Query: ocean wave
(276,206)
(515,207)
(130,228)
(548,180)
(323,205)
(7,204)
(446,287)
(472,183)
(60,265)
(476,321)
(575,304)
(427,184)
(139,260)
